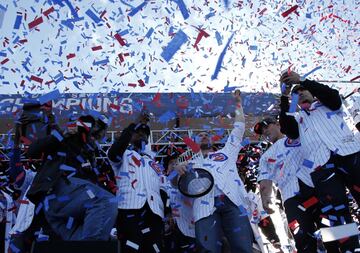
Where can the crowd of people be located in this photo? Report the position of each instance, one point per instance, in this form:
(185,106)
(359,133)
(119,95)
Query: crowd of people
(308,176)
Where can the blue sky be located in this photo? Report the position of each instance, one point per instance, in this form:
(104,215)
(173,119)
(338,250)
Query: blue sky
(74,48)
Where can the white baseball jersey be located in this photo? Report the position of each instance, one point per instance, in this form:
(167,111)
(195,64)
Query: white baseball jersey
(182,210)
(282,164)
(138,181)
(222,165)
(330,127)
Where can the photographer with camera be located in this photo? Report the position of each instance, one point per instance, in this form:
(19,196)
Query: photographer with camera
(75,208)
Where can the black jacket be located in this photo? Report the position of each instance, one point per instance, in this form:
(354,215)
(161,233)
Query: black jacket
(327,96)
(119,146)
(71,156)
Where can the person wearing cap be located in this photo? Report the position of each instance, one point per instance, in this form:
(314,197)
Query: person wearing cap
(75,208)
(330,151)
(140,206)
(222,210)
(279,165)
(181,233)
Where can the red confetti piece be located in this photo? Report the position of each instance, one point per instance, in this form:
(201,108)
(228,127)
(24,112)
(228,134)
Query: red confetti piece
(310,202)
(270,160)
(69,56)
(356,188)
(191,144)
(25,140)
(262,12)
(115,107)
(36,79)
(120,39)
(133,183)
(20,176)
(48,11)
(289,11)
(141,83)
(35,22)
(156,98)
(293,225)
(355,78)
(4,61)
(96,48)
(136,161)
(201,34)
(23,201)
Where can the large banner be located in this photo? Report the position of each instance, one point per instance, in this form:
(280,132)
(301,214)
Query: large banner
(164,106)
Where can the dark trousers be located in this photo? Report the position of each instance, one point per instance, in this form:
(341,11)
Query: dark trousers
(177,242)
(330,194)
(142,228)
(348,168)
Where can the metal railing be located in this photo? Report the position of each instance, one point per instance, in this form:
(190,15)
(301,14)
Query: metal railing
(159,139)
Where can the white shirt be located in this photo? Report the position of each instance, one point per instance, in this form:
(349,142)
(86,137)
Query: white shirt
(282,164)
(222,165)
(138,181)
(182,210)
(322,130)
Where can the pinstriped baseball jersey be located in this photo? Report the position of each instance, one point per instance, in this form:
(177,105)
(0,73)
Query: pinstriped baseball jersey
(138,180)
(282,164)
(222,165)
(181,209)
(331,128)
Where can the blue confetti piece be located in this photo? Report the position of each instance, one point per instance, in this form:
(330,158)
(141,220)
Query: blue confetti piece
(337,208)
(124,174)
(2,14)
(227,4)
(307,163)
(204,202)
(174,45)
(332,217)
(38,208)
(245,142)
(294,102)
(149,33)
(209,15)
(17,21)
(53,95)
(101,62)
(330,166)
(63,198)
(308,15)
(167,116)
(70,222)
(137,9)
(57,135)
(182,7)
(67,168)
(218,38)
(312,71)
(172,175)
(326,208)
(221,58)
(93,16)
(253,47)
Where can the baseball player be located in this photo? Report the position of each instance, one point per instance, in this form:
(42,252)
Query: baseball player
(141,209)
(222,210)
(330,151)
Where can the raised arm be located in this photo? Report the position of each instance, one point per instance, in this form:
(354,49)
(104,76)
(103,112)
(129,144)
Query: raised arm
(233,143)
(121,143)
(288,124)
(327,96)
